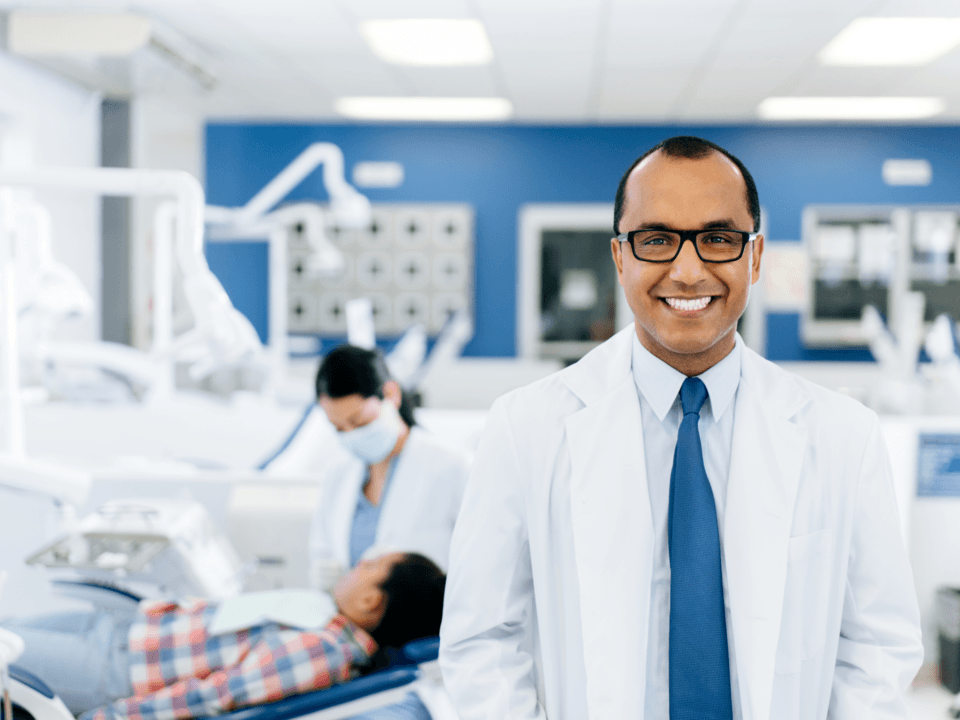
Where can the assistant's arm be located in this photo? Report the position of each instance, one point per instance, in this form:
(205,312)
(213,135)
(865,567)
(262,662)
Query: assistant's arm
(880,649)
(488,610)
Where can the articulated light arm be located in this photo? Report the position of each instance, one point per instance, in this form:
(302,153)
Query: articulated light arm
(346,202)
(205,294)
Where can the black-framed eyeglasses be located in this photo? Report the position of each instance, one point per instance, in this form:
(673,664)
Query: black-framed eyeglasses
(663,246)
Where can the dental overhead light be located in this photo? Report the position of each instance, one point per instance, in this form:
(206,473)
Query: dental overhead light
(428,41)
(425,108)
(850,108)
(892,41)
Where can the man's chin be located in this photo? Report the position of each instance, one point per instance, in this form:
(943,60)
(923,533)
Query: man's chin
(691,348)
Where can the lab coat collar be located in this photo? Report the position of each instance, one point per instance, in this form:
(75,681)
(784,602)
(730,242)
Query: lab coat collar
(601,369)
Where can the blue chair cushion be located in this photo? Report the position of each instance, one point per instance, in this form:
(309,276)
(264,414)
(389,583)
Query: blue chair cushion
(421,651)
(297,705)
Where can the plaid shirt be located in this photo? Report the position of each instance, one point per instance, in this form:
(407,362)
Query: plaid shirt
(178,670)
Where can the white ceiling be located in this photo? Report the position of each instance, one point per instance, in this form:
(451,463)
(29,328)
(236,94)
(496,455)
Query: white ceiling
(581,61)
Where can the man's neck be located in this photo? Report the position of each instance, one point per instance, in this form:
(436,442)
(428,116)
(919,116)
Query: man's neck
(691,364)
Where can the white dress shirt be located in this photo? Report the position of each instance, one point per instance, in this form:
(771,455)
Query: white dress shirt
(658,387)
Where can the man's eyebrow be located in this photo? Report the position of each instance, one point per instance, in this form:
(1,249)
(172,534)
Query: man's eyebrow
(722,224)
(655,226)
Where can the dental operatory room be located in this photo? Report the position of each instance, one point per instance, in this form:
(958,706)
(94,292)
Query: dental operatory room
(354,364)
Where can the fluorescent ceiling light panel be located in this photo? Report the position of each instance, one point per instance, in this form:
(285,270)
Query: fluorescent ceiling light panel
(428,42)
(850,108)
(32,33)
(425,108)
(882,41)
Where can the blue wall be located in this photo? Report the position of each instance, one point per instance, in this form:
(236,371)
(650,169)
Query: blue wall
(497,169)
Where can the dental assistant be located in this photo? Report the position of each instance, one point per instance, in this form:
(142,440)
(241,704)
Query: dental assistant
(398,487)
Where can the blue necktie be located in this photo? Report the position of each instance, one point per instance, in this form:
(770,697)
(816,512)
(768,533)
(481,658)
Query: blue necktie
(699,663)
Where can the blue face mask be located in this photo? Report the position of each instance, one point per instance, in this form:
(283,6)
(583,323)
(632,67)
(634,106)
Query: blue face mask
(373,442)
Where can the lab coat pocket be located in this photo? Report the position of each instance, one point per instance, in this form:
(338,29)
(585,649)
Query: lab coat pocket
(803,623)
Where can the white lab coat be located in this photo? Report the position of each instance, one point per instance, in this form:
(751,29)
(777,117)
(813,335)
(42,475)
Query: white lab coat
(548,596)
(419,507)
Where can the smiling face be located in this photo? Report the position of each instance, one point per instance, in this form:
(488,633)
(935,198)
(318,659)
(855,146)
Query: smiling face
(686,311)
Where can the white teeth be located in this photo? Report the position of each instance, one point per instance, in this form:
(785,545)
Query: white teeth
(688,305)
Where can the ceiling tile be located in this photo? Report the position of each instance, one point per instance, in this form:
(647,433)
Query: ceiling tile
(390,9)
(555,68)
(527,28)
(813,10)
(550,106)
(628,94)
(919,8)
(829,81)
(461,82)
(351,76)
(779,33)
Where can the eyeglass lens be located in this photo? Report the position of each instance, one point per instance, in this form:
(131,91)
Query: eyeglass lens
(711,245)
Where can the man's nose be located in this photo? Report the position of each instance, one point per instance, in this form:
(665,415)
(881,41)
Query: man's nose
(687,267)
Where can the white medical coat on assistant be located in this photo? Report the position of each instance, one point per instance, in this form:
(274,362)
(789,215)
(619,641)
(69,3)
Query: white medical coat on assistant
(548,596)
(418,509)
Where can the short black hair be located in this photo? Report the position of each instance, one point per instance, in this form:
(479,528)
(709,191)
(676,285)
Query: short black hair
(349,369)
(414,593)
(692,148)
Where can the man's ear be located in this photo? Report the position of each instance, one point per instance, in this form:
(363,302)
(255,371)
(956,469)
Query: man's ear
(392,392)
(616,249)
(755,259)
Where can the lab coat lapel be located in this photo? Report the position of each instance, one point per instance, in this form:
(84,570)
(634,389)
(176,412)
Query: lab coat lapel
(765,466)
(612,530)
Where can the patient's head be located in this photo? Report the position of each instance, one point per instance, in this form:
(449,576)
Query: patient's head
(397,597)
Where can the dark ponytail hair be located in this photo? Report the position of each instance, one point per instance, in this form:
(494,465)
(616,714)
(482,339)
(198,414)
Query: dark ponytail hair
(348,369)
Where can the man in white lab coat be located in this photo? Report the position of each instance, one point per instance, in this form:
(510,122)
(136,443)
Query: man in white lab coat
(558,602)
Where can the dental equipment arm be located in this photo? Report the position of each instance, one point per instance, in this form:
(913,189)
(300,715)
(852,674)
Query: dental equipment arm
(899,389)
(883,346)
(216,318)
(347,204)
(45,284)
(941,347)
(407,357)
(451,341)
(255,219)
(62,484)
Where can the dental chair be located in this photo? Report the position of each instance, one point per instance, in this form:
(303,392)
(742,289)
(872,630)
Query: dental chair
(412,668)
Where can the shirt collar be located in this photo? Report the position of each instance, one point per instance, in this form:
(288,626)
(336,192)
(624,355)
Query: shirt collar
(660,383)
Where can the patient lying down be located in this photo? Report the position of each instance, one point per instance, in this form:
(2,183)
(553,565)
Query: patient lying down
(163,663)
